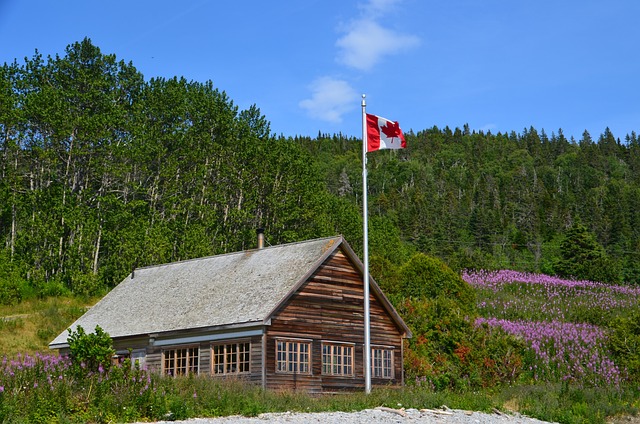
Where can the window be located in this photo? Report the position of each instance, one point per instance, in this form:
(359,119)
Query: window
(337,359)
(138,357)
(230,358)
(293,356)
(381,362)
(180,361)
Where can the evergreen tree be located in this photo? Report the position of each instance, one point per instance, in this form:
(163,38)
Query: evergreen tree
(102,171)
(582,257)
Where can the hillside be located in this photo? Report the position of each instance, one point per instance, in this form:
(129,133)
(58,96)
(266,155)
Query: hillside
(102,171)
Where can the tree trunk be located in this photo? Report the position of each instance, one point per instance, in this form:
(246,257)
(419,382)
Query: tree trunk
(13,227)
(97,251)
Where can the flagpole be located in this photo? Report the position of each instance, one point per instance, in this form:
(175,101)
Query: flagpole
(367,323)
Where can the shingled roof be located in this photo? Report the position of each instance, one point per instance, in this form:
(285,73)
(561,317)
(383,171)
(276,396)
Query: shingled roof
(230,289)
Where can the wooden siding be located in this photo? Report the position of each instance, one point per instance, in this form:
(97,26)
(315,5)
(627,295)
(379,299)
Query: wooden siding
(153,359)
(329,307)
(140,342)
(256,360)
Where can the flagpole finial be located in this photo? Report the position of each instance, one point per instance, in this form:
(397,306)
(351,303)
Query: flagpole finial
(363,102)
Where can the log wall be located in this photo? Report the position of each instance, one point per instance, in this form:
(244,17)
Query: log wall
(330,307)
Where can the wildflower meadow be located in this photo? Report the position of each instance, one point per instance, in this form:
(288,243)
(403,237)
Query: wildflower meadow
(572,356)
(44,388)
(565,323)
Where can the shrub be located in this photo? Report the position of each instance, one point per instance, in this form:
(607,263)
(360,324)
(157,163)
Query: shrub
(11,280)
(84,284)
(624,343)
(448,352)
(386,275)
(563,351)
(52,288)
(10,293)
(425,277)
(92,351)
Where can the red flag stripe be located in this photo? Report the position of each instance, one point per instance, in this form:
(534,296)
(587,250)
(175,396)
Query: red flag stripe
(383,134)
(373,133)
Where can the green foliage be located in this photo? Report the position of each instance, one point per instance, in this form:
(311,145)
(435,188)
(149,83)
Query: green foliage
(448,352)
(471,258)
(582,257)
(84,285)
(386,274)
(103,171)
(425,277)
(566,404)
(10,293)
(90,352)
(624,343)
(125,394)
(52,288)
(11,283)
(385,241)
(46,389)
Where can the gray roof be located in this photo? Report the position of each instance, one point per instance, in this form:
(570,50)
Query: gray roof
(225,289)
(230,289)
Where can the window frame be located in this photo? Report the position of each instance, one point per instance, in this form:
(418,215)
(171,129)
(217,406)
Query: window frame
(292,359)
(188,365)
(383,367)
(341,359)
(139,358)
(240,365)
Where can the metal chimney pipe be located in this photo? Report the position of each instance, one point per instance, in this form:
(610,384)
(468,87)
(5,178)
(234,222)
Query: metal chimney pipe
(260,233)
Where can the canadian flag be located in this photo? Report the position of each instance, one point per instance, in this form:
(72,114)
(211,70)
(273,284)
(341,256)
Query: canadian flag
(383,134)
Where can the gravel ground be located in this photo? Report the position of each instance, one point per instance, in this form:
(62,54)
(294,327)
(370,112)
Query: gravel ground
(378,415)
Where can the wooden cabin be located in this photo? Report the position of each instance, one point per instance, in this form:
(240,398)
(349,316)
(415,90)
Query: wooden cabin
(286,317)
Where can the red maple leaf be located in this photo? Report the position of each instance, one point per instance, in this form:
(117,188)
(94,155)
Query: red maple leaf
(391,129)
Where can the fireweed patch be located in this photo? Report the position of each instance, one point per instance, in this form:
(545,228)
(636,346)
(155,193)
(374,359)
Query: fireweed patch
(42,387)
(523,296)
(563,321)
(562,351)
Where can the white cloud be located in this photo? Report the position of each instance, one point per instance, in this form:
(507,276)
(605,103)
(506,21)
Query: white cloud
(330,99)
(366,42)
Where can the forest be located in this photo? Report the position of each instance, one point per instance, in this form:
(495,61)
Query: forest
(102,171)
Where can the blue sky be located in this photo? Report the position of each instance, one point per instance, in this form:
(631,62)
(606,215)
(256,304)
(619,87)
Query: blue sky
(499,65)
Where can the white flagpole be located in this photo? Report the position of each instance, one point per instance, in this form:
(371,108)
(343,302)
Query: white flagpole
(367,322)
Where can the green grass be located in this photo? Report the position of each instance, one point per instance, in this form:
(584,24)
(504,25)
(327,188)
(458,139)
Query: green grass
(34,323)
(29,326)
(127,396)
(566,404)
